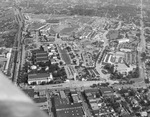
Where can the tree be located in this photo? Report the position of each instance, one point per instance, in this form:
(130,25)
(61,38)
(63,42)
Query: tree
(41,48)
(136,74)
(58,36)
(148,63)
(40,33)
(109,68)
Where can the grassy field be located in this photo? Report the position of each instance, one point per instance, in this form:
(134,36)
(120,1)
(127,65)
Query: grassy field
(65,56)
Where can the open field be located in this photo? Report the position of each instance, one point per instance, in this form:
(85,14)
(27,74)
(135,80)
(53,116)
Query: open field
(64,55)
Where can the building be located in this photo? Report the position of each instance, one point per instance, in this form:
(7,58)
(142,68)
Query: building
(39,98)
(106,91)
(124,40)
(5,58)
(65,108)
(29,92)
(40,56)
(97,104)
(53,21)
(76,98)
(39,78)
(71,112)
(41,102)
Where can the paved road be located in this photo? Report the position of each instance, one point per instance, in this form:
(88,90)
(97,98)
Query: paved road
(142,45)
(17,56)
(71,84)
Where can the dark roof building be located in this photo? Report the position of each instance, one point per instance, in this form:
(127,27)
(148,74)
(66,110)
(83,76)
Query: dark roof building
(73,112)
(40,100)
(40,56)
(91,91)
(29,92)
(53,21)
(41,53)
(42,59)
(68,106)
(64,108)
(59,101)
(106,91)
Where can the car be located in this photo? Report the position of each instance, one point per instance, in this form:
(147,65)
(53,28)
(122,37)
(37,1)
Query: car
(104,72)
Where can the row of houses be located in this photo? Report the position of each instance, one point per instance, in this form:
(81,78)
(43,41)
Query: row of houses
(5,59)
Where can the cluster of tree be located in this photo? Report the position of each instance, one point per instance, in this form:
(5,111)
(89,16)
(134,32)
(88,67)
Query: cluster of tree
(23,76)
(8,39)
(109,68)
(118,75)
(143,56)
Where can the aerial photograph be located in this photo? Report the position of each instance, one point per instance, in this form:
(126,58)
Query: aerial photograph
(75,58)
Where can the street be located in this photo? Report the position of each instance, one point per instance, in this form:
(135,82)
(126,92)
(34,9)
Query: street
(17,45)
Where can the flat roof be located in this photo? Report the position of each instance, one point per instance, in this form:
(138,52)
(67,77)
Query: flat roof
(29,92)
(96,111)
(38,52)
(53,21)
(91,90)
(38,76)
(41,54)
(59,101)
(69,106)
(40,100)
(106,90)
(43,59)
(75,112)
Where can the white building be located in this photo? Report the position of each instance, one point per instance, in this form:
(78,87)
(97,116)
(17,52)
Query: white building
(125,50)
(124,40)
(39,78)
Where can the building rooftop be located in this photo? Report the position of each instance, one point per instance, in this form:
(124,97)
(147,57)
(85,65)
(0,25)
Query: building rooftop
(91,90)
(29,92)
(127,115)
(59,101)
(74,112)
(42,59)
(53,21)
(68,106)
(106,90)
(96,112)
(38,51)
(41,54)
(38,76)
(40,100)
